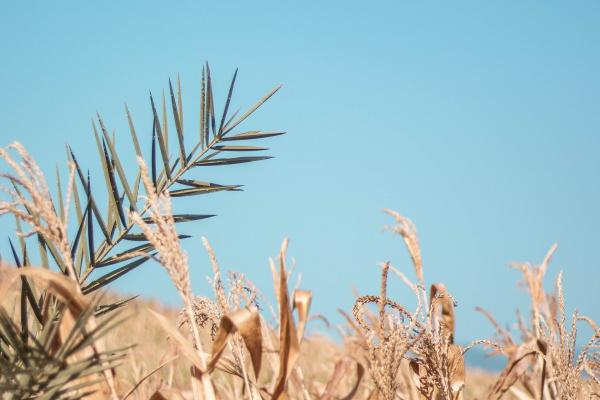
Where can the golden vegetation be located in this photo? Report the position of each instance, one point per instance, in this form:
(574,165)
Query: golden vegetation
(61,338)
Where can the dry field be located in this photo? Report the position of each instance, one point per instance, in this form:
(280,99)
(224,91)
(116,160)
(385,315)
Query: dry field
(317,359)
(63,336)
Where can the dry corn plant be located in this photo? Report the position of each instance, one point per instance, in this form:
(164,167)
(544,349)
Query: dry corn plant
(546,364)
(249,358)
(102,244)
(54,322)
(239,336)
(409,355)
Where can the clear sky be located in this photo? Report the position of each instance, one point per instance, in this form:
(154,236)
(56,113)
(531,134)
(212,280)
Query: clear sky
(478,120)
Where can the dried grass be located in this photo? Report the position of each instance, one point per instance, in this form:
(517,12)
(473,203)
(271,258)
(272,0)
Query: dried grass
(31,202)
(220,346)
(546,364)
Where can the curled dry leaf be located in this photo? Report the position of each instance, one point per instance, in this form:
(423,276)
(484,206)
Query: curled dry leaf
(57,284)
(289,336)
(302,300)
(246,322)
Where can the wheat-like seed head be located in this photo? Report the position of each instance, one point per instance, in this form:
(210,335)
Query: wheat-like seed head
(423,339)
(163,236)
(547,363)
(206,314)
(406,228)
(31,202)
(165,240)
(217,281)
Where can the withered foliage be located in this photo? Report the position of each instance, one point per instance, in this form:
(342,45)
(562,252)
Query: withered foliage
(54,321)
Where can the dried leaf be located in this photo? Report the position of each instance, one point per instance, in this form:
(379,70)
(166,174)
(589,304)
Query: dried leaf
(246,321)
(289,347)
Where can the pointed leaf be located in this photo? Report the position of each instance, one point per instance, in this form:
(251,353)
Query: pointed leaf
(252,135)
(90,228)
(184,218)
(179,102)
(105,170)
(117,164)
(227,103)
(211,101)
(80,251)
(140,237)
(239,148)
(154,153)
(113,275)
(75,245)
(85,184)
(126,255)
(136,143)
(165,124)
(203,137)
(259,103)
(136,185)
(59,194)
(226,161)
(22,298)
(106,308)
(178,126)
(161,140)
(113,187)
(201,190)
(201,184)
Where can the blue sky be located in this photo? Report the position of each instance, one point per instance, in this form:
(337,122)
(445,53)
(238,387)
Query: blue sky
(478,120)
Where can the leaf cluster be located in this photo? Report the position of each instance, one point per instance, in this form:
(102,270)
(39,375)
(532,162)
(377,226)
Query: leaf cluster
(40,358)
